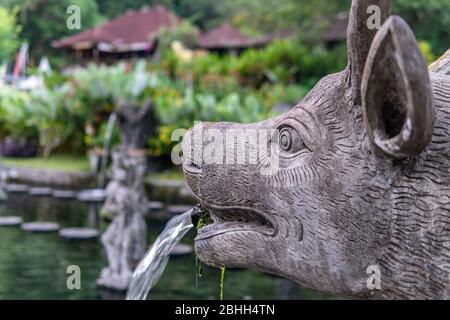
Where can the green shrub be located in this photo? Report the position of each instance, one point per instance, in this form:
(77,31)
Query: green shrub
(286,62)
(50,117)
(98,89)
(39,115)
(15,114)
(73,109)
(425,47)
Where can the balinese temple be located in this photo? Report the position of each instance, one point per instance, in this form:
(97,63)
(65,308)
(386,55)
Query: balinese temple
(226,39)
(131,35)
(337,32)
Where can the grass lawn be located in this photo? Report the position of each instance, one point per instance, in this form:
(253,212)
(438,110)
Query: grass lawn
(169,174)
(62,162)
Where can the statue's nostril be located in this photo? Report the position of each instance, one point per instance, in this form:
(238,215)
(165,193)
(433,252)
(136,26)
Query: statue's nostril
(300,231)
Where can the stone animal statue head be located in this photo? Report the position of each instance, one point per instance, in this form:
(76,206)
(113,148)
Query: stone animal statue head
(359,204)
(137,123)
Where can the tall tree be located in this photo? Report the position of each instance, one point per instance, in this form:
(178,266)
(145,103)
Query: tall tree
(114,8)
(429,19)
(9,33)
(45,20)
(203,12)
(257,16)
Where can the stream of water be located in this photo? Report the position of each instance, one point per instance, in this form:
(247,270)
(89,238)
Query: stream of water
(105,153)
(155,260)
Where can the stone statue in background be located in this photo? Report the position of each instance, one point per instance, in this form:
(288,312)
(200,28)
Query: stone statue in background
(3,173)
(125,240)
(3,195)
(137,124)
(359,201)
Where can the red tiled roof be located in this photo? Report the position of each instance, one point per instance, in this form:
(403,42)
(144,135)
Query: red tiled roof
(130,28)
(338,28)
(268,38)
(224,36)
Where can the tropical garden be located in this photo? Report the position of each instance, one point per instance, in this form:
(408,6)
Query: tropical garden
(70,112)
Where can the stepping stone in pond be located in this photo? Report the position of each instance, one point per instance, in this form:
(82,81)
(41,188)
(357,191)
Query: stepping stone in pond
(178,209)
(78,233)
(155,205)
(64,194)
(40,227)
(16,188)
(10,221)
(40,191)
(92,195)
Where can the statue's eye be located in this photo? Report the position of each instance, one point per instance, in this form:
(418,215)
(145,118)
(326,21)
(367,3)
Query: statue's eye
(285,139)
(290,140)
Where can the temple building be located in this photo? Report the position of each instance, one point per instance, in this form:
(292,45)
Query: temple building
(337,32)
(135,35)
(131,35)
(226,38)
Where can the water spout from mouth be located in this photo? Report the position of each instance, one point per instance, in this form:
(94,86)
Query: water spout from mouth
(155,260)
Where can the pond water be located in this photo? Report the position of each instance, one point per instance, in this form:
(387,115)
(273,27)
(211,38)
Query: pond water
(33,266)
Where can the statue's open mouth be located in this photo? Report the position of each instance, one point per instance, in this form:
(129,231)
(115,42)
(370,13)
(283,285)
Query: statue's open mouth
(227,220)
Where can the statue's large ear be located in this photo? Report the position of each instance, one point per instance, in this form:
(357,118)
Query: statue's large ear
(396,92)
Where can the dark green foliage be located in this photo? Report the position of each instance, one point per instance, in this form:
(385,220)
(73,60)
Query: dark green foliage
(282,62)
(430,21)
(45,21)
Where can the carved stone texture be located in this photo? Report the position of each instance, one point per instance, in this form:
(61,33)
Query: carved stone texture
(125,240)
(137,124)
(442,65)
(363,181)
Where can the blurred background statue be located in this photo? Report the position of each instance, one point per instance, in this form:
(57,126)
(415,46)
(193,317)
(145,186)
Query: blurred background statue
(125,240)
